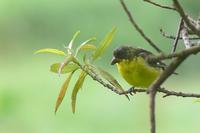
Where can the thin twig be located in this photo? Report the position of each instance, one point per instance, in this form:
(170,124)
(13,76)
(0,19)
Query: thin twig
(185,18)
(164,91)
(179,94)
(159,5)
(177,36)
(193,50)
(137,27)
(173,37)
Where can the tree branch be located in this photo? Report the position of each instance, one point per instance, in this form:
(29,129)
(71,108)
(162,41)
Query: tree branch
(179,94)
(159,5)
(137,27)
(177,36)
(193,50)
(185,18)
(164,91)
(173,37)
(152,106)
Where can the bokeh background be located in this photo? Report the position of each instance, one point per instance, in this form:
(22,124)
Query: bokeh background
(28,90)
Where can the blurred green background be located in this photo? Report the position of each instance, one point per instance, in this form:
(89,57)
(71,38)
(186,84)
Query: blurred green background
(28,90)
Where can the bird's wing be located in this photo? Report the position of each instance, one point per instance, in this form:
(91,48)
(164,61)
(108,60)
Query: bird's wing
(145,54)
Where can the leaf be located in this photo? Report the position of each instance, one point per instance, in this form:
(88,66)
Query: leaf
(66,69)
(89,41)
(64,63)
(86,45)
(78,85)
(50,50)
(73,39)
(63,91)
(107,76)
(104,44)
(110,79)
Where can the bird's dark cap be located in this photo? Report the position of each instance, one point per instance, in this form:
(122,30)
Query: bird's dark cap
(120,53)
(124,52)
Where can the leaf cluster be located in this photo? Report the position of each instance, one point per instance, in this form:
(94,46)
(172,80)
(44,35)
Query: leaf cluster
(72,63)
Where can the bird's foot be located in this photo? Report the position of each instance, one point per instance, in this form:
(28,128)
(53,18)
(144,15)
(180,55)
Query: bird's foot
(132,90)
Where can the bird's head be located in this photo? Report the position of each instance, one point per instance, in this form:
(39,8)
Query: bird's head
(123,53)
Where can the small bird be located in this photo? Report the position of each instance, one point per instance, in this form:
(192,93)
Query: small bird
(134,67)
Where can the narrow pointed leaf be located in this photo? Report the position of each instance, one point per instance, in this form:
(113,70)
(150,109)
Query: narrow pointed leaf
(104,44)
(73,39)
(50,50)
(89,41)
(86,45)
(63,91)
(110,79)
(64,63)
(107,76)
(78,85)
(66,69)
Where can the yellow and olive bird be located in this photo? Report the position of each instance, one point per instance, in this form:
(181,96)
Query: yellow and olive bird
(134,67)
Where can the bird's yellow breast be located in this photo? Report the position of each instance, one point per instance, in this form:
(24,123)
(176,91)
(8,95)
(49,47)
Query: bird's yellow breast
(137,72)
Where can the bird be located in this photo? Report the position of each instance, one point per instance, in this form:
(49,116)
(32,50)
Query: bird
(134,66)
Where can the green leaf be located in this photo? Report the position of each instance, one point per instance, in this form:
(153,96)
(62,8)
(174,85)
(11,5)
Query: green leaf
(50,50)
(66,69)
(63,91)
(104,44)
(78,85)
(89,41)
(73,39)
(64,63)
(86,45)
(107,76)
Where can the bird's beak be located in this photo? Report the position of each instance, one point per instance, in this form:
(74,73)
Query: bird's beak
(114,61)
